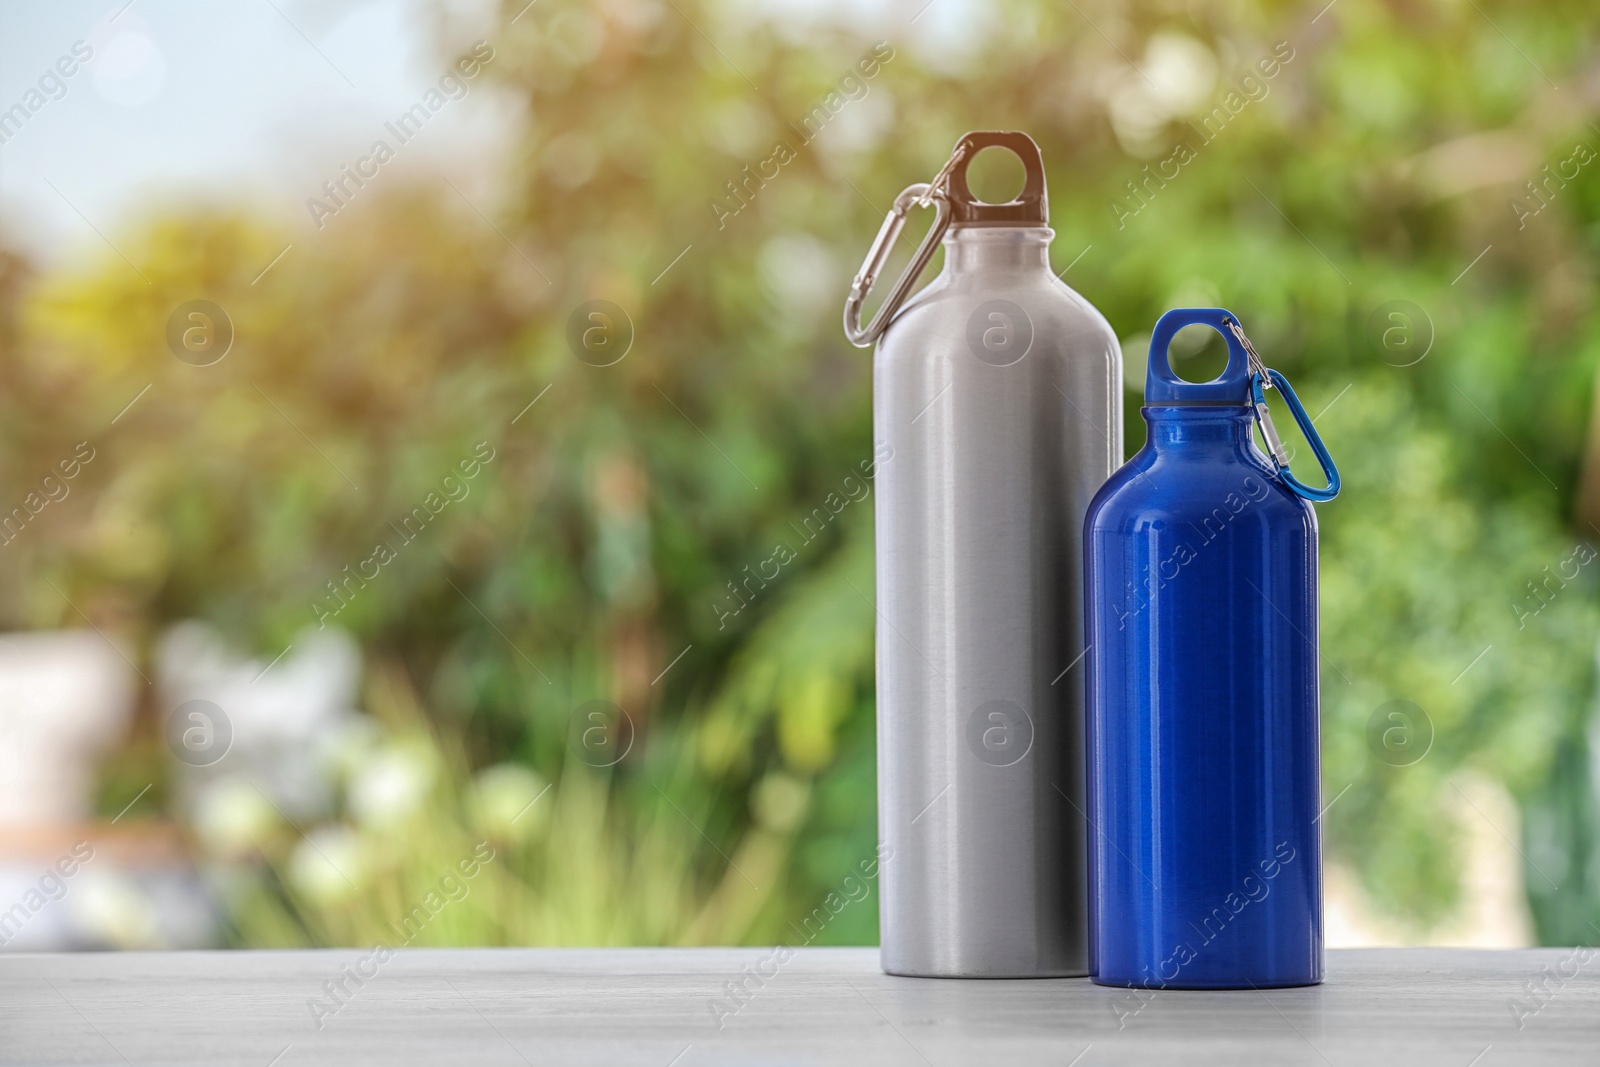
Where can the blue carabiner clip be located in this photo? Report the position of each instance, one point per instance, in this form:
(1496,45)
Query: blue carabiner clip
(1259,400)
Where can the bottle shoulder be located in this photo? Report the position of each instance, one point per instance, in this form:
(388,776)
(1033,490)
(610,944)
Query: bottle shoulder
(1054,312)
(1152,489)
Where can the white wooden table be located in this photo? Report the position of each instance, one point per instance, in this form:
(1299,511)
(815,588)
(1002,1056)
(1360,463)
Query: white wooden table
(672,1008)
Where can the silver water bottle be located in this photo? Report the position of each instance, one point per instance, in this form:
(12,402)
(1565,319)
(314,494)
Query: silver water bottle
(997,413)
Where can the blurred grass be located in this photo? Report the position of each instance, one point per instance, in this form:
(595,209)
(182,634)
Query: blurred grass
(601,541)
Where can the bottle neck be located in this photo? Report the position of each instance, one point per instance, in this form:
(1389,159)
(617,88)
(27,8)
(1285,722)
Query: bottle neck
(1203,426)
(988,248)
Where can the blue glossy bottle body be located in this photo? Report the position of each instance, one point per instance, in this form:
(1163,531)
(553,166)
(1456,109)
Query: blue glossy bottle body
(1204,761)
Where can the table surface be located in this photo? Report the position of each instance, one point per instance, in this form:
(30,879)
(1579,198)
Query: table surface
(680,1008)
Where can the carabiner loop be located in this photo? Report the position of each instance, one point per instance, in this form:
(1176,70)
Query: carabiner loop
(1267,378)
(882,245)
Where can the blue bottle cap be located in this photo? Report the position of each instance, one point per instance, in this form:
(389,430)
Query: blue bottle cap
(1162,386)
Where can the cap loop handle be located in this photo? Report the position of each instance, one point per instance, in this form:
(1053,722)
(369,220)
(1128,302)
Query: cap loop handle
(1162,386)
(1030,207)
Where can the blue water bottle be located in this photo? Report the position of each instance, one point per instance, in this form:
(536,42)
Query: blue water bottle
(1205,865)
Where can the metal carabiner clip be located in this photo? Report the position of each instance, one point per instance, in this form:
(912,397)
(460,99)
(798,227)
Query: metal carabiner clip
(882,245)
(1263,378)
(1267,378)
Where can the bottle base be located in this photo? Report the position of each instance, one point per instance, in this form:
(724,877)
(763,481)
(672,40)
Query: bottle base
(982,974)
(1202,984)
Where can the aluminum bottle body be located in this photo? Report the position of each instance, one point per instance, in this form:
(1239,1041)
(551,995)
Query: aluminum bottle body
(1205,871)
(997,399)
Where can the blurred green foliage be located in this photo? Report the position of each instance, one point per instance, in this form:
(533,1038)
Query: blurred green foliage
(1373,166)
